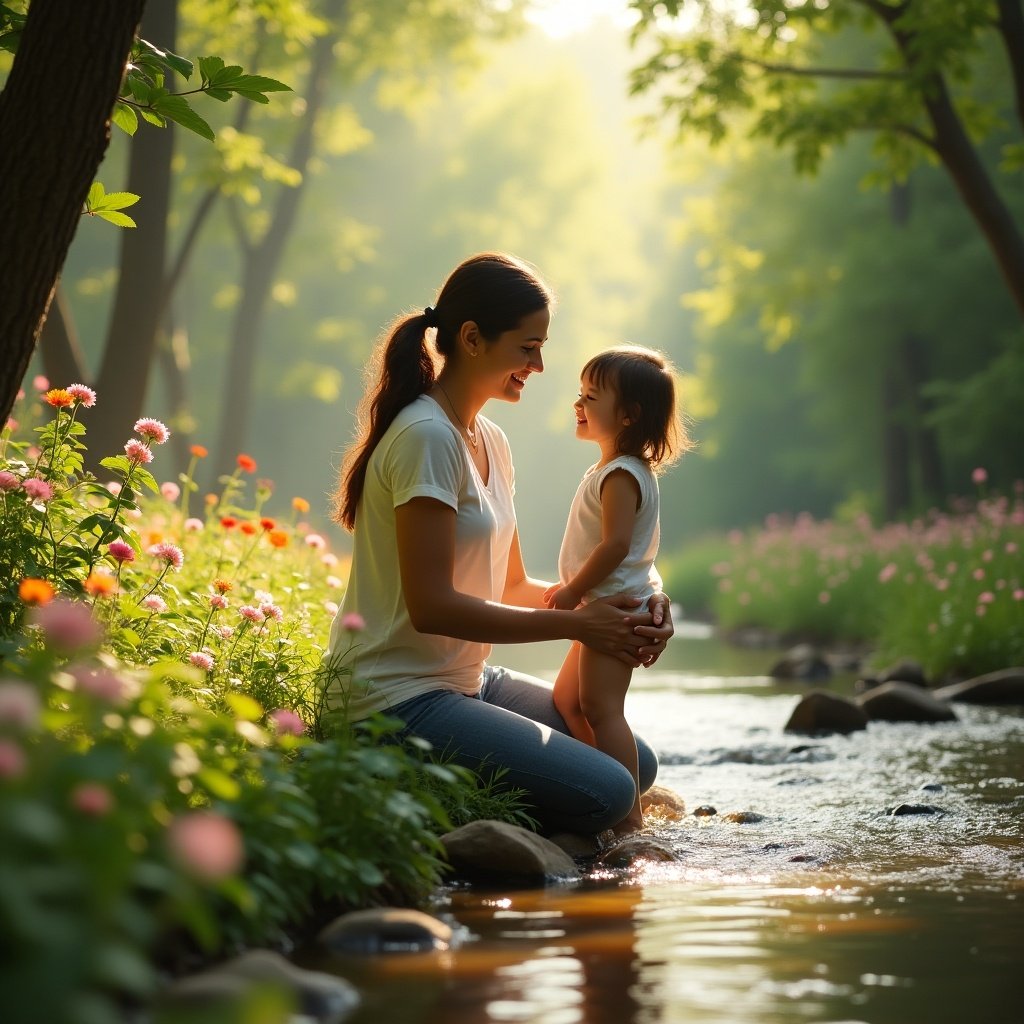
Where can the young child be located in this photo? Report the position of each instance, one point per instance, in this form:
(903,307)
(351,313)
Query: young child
(627,406)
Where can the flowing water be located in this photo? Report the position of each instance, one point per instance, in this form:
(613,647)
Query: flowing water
(828,908)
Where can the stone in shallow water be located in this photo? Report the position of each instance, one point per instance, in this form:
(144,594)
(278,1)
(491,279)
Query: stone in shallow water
(900,809)
(705,811)
(823,712)
(1003,687)
(743,817)
(904,702)
(636,849)
(663,803)
(496,849)
(385,930)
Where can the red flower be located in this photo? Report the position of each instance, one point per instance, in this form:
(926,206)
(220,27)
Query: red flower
(268,524)
(229,522)
(199,451)
(247,463)
(248,529)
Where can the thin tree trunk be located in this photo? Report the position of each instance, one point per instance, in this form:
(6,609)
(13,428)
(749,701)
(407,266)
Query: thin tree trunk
(262,259)
(131,342)
(54,131)
(63,359)
(1011,29)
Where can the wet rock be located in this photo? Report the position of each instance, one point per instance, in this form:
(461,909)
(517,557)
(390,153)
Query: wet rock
(933,787)
(663,803)
(822,712)
(498,849)
(743,817)
(224,992)
(904,702)
(904,671)
(803,663)
(901,809)
(579,847)
(385,930)
(705,811)
(1003,687)
(803,858)
(865,684)
(635,849)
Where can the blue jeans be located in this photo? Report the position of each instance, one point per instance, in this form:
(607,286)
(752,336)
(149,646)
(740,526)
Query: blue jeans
(512,723)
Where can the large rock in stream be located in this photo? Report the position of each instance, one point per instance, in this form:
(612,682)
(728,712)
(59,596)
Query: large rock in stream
(823,712)
(1003,687)
(904,702)
(385,930)
(496,849)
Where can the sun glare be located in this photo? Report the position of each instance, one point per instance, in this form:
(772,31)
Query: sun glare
(559,18)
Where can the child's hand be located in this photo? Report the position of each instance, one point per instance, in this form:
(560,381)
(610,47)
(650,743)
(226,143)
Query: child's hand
(563,598)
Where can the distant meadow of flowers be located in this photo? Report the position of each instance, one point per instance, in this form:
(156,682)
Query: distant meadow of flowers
(169,765)
(946,589)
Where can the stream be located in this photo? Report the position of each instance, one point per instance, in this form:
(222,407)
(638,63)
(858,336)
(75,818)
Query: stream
(827,909)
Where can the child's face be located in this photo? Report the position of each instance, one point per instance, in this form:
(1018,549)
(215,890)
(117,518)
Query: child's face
(598,417)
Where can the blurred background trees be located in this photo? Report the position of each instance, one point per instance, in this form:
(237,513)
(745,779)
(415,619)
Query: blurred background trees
(847,338)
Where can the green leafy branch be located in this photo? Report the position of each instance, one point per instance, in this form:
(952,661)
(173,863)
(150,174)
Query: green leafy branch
(145,94)
(108,205)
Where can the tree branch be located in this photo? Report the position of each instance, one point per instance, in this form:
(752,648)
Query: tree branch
(812,72)
(1010,26)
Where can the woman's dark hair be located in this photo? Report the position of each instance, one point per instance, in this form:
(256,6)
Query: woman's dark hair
(643,380)
(492,289)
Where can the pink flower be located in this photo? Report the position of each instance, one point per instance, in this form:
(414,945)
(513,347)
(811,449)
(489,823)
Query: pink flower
(987,597)
(978,574)
(201,660)
(41,383)
(8,481)
(331,607)
(36,489)
(218,601)
(1011,547)
(114,487)
(1018,594)
(287,722)
(193,525)
(84,396)
(169,553)
(887,572)
(979,476)
(226,632)
(314,540)
(333,581)
(92,799)
(353,622)
(206,844)
(12,424)
(272,611)
(102,683)
(66,625)
(170,490)
(153,430)
(247,611)
(330,559)
(138,452)
(12,760)
(19,704)
(121,551)
(824,597)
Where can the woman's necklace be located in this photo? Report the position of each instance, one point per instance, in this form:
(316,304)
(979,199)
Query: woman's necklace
(470,434)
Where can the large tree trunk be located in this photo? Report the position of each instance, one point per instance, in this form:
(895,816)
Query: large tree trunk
(261,260)
(54,131)
(135,320)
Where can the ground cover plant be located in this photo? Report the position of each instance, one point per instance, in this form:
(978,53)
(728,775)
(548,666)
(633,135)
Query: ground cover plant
(174,778)
(946,589)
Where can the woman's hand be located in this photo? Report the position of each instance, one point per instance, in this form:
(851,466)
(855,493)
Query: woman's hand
(557,596)
(658,633)
(608,626)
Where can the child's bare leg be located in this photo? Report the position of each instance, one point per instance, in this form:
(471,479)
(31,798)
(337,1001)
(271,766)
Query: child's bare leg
(603,682)
(567,697)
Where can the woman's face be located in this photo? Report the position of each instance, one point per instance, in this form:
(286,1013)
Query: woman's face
(506,363)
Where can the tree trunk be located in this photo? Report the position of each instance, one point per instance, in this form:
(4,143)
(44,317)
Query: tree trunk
(262,259)
(63,359)
(54,131)
(131,342)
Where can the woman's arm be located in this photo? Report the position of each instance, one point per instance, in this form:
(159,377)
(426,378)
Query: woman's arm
(425,533)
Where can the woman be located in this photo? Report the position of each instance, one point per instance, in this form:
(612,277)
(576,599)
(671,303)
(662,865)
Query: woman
(437,572)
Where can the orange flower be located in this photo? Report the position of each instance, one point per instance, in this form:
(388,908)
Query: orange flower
(248,529)
(278,538)
(268,524)
(59,398)
(100,583)
(247,463)
(211,499)
(229,522)
(300,504)
(199,451)
(35,591)
(223,586)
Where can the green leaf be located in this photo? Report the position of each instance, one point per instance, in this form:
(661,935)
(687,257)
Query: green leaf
(116,201)
(219,783)
(125,118)
(153,118)
(209,67)
(122,220)
(96,194)
(177,108)
(144,477)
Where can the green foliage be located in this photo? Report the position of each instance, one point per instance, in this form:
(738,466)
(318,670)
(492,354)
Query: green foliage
(107,205)
(169,778)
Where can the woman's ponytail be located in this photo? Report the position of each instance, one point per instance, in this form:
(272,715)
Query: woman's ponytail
(400,370)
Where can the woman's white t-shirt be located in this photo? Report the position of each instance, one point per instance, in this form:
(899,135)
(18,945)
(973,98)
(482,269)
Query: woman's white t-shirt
(635,574)
(422,454)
